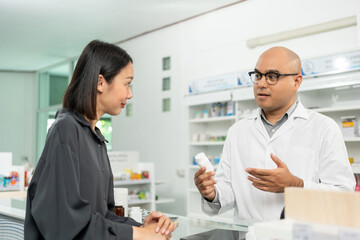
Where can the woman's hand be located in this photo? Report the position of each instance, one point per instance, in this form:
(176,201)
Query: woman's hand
(148,232)
(163,224)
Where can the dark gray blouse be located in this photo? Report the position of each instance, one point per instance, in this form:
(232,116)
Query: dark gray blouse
(71,194)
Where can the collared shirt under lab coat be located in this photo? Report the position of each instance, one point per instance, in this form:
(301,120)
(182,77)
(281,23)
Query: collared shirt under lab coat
(309,143)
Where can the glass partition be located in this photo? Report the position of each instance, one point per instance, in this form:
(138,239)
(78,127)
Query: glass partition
(52,85)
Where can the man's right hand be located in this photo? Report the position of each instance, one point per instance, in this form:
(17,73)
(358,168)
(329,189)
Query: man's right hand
(205,183)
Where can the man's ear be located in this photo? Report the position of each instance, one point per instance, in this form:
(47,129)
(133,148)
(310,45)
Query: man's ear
(101,83)
(298,81)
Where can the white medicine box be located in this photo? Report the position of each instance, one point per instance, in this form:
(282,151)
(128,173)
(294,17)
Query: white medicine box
(349,126)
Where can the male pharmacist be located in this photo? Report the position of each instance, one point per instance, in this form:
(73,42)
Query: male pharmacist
(281,145)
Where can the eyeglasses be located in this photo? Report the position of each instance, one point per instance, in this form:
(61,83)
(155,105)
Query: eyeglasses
(270,77)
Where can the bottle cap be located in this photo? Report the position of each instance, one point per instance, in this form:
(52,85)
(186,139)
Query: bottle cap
(119,203)
(200,156)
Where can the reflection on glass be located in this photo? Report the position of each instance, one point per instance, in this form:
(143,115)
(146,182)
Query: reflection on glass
(52,85)
(45,120)
(105,126)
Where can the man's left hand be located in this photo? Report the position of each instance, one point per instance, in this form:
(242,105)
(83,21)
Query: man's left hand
(273,180)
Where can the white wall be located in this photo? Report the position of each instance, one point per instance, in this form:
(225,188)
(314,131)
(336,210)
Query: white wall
(159,137)
(18,104)
(210,45)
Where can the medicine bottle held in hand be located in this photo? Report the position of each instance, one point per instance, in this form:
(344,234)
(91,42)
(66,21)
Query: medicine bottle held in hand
(203,161)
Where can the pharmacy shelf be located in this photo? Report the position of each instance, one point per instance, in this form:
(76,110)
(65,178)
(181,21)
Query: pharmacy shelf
(140,201)
(356,168)
(165,200)
(131,182)
(337,109)
(9,188)
(353,139)
(213,119)
(207,143)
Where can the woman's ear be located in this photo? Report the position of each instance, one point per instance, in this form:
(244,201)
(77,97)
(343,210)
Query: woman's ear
(101,83)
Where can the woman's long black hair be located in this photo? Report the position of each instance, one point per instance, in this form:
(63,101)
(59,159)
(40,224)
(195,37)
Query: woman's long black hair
(97,58)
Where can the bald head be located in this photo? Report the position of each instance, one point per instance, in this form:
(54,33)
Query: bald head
(288,59)
(276,98)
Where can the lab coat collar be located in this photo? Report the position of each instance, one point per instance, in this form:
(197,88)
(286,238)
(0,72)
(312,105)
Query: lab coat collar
(299,112)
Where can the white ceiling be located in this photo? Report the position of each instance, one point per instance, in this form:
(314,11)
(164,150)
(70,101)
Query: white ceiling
(38,33)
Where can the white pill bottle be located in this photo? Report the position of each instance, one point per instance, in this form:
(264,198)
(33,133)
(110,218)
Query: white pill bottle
(203,161)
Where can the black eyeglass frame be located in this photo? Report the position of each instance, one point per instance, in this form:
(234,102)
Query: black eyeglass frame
(266,78)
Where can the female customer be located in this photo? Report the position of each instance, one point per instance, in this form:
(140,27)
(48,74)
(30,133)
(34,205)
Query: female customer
(71,193)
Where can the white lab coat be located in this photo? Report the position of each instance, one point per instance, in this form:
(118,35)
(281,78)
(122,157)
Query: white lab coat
(309,143)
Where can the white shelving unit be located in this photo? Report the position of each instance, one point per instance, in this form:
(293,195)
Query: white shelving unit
(140,202)
(132,182)
(130,160)
(207,143)
(212,127)
(354,139)
(165,200)
(213,119)
(356,168)
(337,109)
(333,95)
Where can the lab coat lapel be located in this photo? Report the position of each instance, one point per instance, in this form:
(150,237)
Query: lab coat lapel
(300,112)
(259,125)
(287,126)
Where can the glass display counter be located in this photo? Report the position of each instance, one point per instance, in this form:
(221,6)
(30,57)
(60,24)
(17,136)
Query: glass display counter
(12,210)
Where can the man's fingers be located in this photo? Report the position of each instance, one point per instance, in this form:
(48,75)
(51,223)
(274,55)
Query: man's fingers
(207,191)
(259,172)
(277,160)
(203,175)
(262,187)
(199,172)
(201,178)
(259,181)
(207,183)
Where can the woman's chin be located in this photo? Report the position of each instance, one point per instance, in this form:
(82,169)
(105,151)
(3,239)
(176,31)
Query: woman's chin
(115,113)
